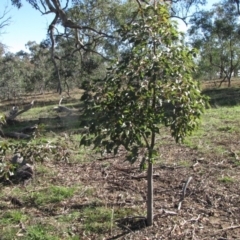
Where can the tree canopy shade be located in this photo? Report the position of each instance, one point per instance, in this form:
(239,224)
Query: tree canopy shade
(148,88)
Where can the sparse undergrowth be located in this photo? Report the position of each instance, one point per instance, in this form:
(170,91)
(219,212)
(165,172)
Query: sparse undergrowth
(86,196)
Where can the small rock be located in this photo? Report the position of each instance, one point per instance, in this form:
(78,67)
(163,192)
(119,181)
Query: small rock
(17,159)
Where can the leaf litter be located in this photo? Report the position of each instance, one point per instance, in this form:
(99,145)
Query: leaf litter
(209,209)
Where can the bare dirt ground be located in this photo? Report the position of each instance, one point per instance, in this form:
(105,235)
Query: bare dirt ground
(210,210)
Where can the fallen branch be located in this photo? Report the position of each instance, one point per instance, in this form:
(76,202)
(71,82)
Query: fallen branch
(165,213)
(228,228)
(61,108)
(15,111)
(17,135)
(224,229)
(29,129)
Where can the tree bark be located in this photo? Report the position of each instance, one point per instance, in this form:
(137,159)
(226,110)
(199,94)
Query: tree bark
(17,135)
(150,195)
(61,108)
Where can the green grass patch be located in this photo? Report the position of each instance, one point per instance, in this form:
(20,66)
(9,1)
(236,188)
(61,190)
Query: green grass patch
(100,220)
(41,169)
(237,163)
(12,217)
(226,180)
(216,130)
(97,219)
(41,232)
(8,232)
(184,163)
(71,217)
(230,129)
(126,212)
(53,194)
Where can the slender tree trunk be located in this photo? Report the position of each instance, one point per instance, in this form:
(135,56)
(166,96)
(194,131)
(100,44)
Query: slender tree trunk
(229,81)
(150,195)
(150,162)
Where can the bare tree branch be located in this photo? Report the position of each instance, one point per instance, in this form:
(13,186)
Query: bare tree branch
(4,20)
(51,32)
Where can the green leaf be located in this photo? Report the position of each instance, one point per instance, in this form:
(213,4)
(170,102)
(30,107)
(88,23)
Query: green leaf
(149,86)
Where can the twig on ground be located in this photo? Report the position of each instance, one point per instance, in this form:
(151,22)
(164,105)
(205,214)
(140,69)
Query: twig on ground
(228,228)
(125,227)
(165,213)
(222,230)
(195,165)
(112,219)
(173,229)
(184,192)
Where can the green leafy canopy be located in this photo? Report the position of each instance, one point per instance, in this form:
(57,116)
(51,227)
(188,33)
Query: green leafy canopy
(150,86)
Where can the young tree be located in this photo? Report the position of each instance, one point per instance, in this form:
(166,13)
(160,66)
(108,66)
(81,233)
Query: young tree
(149,87)
(39,58)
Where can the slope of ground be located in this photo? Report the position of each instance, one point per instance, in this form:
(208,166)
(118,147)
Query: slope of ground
(88,196)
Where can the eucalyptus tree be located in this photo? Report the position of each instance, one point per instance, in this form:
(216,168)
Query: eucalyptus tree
(40,59)
(77,67)
(86,30)
(216,34)
(148,88)
(92,24)
(12,75)
(4,19)
(107,16)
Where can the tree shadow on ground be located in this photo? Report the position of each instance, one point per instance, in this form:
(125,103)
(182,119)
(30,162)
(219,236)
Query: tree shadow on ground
(128,225)
(223,96)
